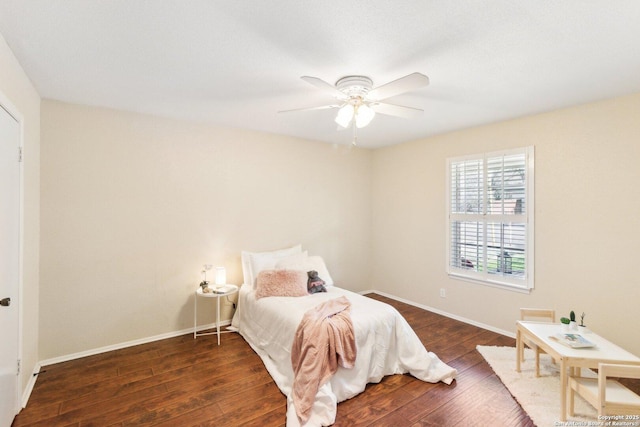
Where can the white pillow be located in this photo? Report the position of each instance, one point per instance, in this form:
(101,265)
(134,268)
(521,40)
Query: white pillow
(254,262)
(307,264)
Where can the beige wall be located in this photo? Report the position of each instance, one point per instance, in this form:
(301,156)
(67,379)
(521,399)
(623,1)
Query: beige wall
(16,87)
(587,219)
(133,205)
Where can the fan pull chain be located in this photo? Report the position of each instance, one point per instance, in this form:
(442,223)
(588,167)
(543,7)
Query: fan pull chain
(355,133)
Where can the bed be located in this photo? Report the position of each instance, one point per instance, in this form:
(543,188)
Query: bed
(385,342)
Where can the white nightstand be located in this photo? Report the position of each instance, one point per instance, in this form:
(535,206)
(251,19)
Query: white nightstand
(224,291)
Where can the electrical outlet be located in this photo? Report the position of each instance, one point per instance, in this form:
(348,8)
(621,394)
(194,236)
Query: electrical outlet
(443,293)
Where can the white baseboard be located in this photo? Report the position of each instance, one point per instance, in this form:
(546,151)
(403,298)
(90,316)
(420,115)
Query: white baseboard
(26,393)
(66,358)
(444,313)
(36,370)
(126,344)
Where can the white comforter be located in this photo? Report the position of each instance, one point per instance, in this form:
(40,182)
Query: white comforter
(386,345)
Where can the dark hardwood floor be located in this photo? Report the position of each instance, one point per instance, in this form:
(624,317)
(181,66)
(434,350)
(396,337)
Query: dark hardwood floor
(183,382)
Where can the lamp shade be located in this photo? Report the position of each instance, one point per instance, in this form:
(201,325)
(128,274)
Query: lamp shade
(221,276)
(345,115)
(364,115)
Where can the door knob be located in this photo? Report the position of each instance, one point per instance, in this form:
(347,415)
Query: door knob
(5,302)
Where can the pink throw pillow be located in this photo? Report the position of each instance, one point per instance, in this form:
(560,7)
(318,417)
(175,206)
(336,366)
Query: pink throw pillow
(281,283)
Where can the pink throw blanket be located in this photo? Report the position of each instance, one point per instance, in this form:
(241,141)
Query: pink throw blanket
(324,339)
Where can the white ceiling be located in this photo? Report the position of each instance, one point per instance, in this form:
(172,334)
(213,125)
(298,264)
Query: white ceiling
(238,62)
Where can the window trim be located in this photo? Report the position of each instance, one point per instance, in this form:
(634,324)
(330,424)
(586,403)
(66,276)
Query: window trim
(519,285)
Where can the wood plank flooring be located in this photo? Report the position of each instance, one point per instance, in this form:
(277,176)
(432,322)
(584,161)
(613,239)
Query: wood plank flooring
(185,382)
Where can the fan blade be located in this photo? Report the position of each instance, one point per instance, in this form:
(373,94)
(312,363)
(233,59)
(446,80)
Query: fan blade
(403,84)
(327,87)
(396,110)
(321,107)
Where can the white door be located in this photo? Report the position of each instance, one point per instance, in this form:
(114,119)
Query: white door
(9,265)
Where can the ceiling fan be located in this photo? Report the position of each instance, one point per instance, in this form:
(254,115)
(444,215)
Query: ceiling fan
(358,101)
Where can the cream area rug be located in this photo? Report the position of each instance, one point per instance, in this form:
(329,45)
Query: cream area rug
(538,396)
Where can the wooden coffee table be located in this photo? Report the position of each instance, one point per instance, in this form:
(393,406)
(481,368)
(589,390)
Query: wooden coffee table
(540,333)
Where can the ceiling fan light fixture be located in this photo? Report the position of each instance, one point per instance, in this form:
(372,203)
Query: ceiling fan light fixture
(364,114)
(345,115)
(358,101)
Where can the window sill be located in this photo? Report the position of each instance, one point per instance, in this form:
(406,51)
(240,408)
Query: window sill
(491,283)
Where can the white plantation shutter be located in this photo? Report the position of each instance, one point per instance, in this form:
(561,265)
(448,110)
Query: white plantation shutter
(490,218)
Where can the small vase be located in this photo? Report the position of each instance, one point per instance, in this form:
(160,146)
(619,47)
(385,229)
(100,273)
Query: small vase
(574,326)
(583,329)
(565,327)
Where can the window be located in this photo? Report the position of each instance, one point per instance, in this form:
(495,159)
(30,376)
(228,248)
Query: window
(490,218)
